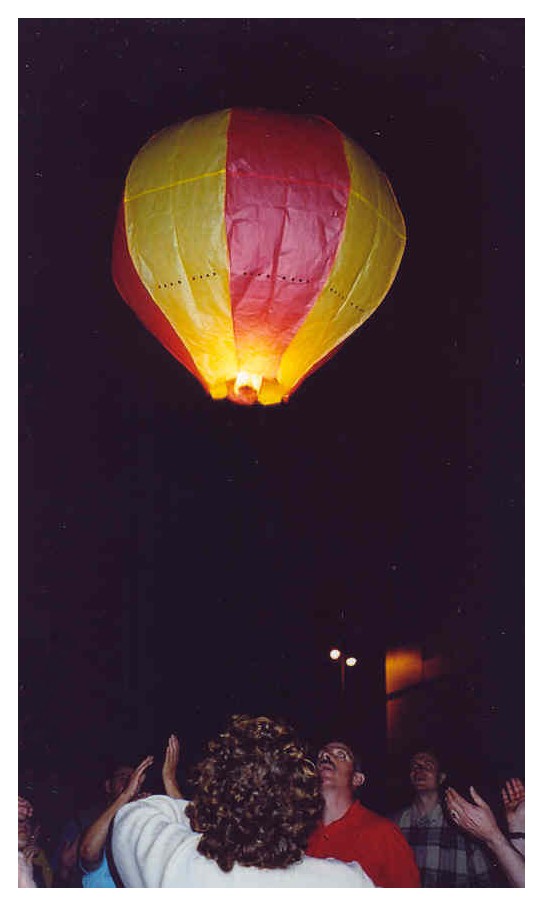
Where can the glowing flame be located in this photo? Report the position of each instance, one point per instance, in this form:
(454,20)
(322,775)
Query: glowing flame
(246,379)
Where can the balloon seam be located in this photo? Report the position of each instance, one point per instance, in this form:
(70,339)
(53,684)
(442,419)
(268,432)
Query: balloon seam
(172,185)
(378,213)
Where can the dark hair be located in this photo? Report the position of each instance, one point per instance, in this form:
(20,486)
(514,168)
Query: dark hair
(427,750)
(112,761)
(256,797)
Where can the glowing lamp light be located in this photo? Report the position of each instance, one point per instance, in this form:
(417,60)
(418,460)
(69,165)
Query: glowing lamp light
(350,661)
(246,387)
(335,654)
(252,244)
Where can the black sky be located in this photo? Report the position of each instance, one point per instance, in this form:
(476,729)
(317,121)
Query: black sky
(182,559)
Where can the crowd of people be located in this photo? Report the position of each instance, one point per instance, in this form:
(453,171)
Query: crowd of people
(264,813)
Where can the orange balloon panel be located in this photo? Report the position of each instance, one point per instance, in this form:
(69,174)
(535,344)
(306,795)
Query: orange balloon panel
(251,244)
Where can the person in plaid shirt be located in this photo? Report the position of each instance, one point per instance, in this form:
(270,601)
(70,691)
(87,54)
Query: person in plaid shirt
(445,856)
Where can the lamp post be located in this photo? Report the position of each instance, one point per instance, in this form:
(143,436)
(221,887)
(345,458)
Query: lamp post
(344,661)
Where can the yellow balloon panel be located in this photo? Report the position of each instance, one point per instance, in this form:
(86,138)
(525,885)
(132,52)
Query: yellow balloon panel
(174,206)
(180,153)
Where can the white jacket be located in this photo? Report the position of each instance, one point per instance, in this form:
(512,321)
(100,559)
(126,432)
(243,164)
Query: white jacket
(154,846)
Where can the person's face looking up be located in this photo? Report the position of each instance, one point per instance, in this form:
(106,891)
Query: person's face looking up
(335,764)
(424,772)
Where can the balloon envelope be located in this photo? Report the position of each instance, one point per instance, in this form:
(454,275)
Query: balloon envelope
(252,244)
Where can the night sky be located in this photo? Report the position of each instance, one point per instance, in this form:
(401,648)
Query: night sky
(183,559)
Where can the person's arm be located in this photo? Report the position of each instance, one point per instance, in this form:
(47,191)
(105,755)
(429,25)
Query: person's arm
(67,857)
(478,820)
(513,803)
(169,768)
(147,841)
(93,841)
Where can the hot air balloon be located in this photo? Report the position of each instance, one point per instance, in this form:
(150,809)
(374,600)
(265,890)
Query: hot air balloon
(252,244)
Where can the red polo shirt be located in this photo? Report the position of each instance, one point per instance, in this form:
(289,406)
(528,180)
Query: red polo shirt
(372,841)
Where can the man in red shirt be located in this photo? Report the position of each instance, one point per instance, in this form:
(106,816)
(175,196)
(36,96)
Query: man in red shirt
(352,833)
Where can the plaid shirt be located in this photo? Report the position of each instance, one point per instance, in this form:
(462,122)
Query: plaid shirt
(446,857)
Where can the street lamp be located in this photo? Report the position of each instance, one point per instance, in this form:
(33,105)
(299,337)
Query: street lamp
(349,661)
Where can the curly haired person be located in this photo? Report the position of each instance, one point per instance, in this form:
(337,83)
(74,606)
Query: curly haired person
(256,802)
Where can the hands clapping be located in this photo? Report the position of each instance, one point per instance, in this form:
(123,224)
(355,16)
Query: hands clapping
(474,817)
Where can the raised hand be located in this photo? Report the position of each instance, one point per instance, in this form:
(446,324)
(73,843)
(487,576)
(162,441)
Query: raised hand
(169,768)
(477,818)
(93,841)
(474,817)
(513,803)
(137,779)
